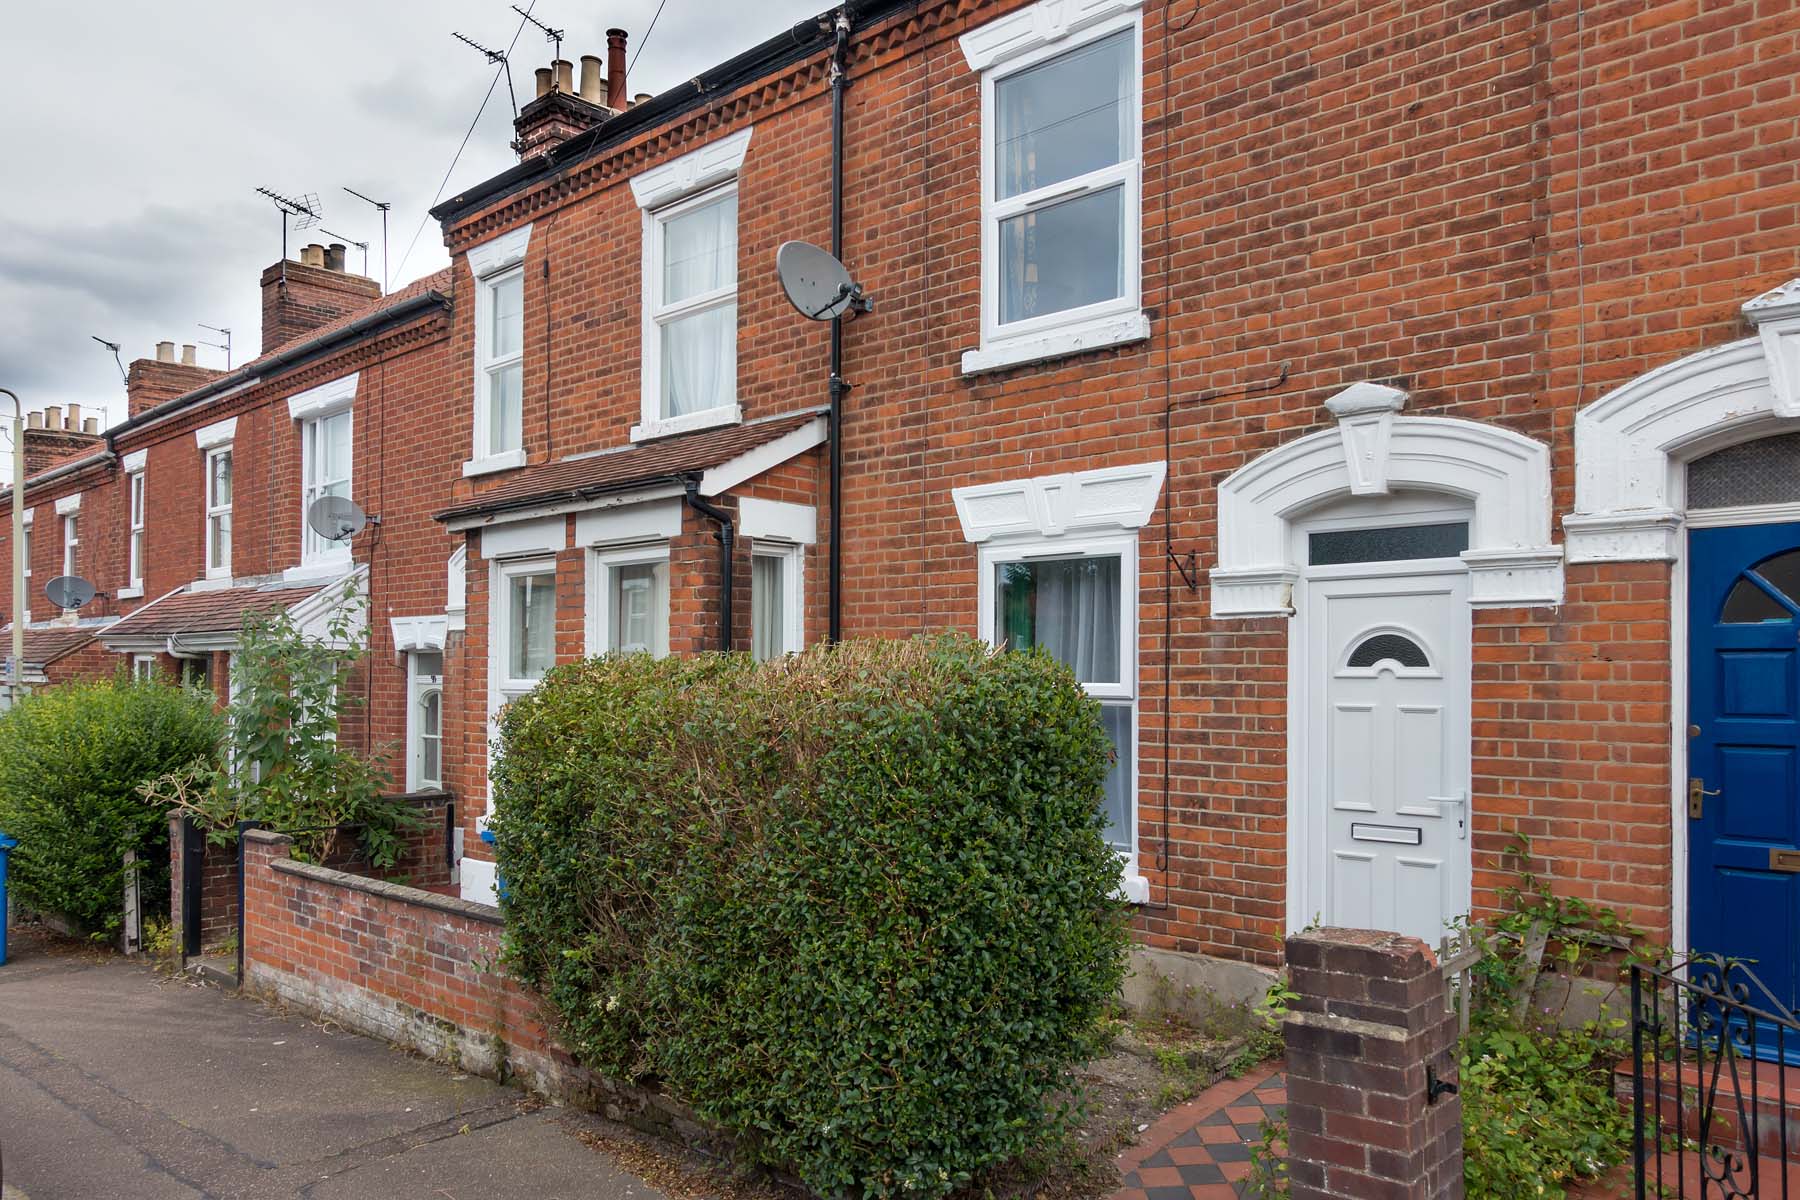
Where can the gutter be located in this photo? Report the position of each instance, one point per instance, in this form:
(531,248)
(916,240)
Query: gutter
(293,356)
(796,45)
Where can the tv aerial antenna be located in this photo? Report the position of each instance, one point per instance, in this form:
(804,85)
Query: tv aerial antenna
(550,35)
(363,246)
(224,345)
(114,347)
(338,518)
(304,212)
(496,58)
(382,207)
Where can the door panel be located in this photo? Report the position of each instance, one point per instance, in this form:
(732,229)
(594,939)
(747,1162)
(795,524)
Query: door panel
(1744,709)
(1385,711)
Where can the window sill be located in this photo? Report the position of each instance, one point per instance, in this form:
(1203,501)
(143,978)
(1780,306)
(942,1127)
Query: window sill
(318,569)
(730,414)
(130,593)
(1098,334)
(212,583)
(506,461)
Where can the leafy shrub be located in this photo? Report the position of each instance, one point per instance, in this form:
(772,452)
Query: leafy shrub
(854,905)
(71,761)
(283,764)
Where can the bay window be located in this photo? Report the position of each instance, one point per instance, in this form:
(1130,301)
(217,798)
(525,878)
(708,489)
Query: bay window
(1061,181)
(1078,603)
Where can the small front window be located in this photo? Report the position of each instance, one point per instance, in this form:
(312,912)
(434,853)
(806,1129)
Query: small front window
(218,512)
(326,469)
(425,725)
(775,617)
(633,610)
(531,627)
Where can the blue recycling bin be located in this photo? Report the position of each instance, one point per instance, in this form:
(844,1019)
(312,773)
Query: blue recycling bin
(6,845)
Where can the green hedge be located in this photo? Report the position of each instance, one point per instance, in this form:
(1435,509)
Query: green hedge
(71,761)
(854,906)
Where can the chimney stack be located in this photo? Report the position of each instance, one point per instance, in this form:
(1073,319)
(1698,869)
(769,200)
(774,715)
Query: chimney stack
(593,87)
(165,352)
(52,438)
(615,69)
(149,382)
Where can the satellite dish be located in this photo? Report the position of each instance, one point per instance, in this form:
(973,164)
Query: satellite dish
(336,518)
(817,283)
(69,591)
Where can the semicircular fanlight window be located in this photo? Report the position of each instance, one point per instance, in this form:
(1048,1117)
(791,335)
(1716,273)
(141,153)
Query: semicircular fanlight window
(1757,596)
(1383,646)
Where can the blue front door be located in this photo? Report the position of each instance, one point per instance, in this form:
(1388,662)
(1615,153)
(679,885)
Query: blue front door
(1744,749)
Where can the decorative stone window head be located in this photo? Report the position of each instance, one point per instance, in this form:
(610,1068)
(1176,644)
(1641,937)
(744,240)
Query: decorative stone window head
(1372,451)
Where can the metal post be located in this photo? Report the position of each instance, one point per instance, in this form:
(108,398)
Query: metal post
(18,547)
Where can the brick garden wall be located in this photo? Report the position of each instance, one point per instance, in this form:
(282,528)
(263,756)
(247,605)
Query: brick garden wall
(419,970)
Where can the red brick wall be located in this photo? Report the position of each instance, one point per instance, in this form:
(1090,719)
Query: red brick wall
(1505,208)
(218,890)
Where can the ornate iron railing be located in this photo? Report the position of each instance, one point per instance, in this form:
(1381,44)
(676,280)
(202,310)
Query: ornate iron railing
(1712,1049)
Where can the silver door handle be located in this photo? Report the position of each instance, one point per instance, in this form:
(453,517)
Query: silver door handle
(1459,800)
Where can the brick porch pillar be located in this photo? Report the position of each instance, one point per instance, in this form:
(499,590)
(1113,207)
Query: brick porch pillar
(1370,1020)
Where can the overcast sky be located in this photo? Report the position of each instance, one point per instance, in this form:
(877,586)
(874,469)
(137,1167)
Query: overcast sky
(133,134)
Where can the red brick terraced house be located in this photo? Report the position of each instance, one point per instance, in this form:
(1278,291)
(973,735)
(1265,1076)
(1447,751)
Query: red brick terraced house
(1391,412)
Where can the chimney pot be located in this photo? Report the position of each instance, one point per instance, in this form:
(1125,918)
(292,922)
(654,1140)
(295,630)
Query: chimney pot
(188,351)
(91,425)
(165,352)
(313,255)
(334,256)
(615,69)
(593,87)
(545,78)
(565,76)
(53,416)
(34,420)
(72,422)
(639,98)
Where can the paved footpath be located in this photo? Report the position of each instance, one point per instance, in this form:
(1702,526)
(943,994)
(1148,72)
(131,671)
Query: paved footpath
(118,1082)
(1201,1151)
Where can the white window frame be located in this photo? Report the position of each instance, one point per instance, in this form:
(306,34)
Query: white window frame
(315,551)
(25,541)
(998,50)
(143,667)
(603,563)
(668,189)
(136,502)
(505,687)
(491,263)
(71,543)
(418,687)
(1125,548)
(217,513)
(793,617)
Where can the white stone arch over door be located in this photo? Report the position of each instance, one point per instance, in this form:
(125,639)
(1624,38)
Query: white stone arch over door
(1503,476)
(1632,445)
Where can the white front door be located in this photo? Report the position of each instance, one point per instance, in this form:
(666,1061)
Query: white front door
(1385,749)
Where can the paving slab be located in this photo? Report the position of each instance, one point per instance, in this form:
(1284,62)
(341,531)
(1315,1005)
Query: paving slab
(116,1081)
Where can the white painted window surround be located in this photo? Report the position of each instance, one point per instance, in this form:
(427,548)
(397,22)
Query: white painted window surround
(1030,60)
(1374,451)
(327,450)
(497,437)
(1058,518)
(456,588)
(690,213)
(1632,446)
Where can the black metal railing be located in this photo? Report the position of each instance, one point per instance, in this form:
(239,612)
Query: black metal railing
(1712,1052)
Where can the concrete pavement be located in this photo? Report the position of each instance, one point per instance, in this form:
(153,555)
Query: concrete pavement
(118,1082)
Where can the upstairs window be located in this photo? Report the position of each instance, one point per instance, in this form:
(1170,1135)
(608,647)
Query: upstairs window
(690,324)
(1061,165)
(71,543)
(218,513)
(500,349)
(325,471)
(135,481)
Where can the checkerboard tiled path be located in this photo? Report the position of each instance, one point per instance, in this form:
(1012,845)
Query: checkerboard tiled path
(1201,1151)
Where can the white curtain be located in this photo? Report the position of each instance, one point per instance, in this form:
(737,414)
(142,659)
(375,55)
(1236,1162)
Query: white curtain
(699,350)
(1078,615)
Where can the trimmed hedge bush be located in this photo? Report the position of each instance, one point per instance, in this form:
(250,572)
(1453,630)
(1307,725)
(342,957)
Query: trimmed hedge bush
(71,761)
(854,906)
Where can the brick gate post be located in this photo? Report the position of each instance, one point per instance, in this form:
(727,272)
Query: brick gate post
(1367,1036)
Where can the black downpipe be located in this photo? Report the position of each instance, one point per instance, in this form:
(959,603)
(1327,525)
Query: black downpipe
(727,535)
(839,84)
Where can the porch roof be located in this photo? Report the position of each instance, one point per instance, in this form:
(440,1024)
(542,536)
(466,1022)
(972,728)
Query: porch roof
(185,612)
(662,461)
(45,645)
